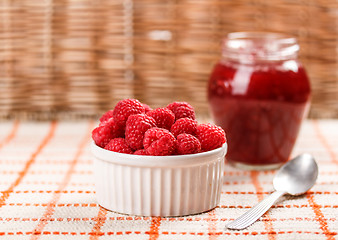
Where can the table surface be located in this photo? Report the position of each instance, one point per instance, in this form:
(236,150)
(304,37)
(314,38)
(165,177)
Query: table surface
(47,191)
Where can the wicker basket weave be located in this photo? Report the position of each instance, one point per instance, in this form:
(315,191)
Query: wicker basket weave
(77,58)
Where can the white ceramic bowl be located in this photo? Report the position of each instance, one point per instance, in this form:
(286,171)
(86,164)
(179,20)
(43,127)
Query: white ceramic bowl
(158,185)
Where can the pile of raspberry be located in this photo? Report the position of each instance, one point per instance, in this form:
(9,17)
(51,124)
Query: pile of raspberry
(133,127)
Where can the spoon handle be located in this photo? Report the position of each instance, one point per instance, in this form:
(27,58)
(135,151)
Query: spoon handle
(255,212)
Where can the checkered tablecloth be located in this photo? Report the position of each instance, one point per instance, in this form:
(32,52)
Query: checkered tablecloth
(47,192)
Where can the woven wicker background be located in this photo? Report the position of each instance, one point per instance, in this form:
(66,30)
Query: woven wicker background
(77,58)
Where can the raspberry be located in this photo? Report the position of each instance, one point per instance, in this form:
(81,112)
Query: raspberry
(106,116)
(106,132)
(210,136)
(163,116)
(184,125)
(146,108)
(136,126)
(118,145)
(182,110)
(188,144)
(141,152)
(159,142)
(125,108)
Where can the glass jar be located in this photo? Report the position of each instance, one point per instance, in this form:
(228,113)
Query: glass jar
(259,93)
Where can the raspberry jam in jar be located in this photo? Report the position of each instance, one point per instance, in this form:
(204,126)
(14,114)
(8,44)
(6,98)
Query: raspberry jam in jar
(259,93)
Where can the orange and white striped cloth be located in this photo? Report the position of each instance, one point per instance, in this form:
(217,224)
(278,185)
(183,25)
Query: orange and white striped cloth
(47,192)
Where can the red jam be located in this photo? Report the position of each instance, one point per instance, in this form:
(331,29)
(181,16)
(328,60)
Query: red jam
(260,105)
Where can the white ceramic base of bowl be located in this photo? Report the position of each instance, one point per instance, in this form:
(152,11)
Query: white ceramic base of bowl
(158,186)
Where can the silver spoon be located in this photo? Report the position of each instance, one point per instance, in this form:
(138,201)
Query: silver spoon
(295,178)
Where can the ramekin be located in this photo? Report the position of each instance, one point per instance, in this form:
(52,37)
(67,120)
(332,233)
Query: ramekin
(158,185)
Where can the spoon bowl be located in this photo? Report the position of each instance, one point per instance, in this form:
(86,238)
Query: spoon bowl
(295,178)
